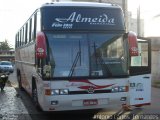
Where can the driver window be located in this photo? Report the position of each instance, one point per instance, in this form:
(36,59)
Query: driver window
(115,49)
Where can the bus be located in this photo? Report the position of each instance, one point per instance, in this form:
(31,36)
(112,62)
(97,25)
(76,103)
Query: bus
(78,55)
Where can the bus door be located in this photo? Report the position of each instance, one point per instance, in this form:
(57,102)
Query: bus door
(140,75)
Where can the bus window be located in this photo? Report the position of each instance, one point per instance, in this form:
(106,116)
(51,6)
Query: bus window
(26,34)
(34,21)
(141,64)
(17,40)
(115,49)
(142,58)
(21,34)
(38,21)
(30,29)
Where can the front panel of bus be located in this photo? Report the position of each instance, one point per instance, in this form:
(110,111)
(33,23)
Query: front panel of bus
(86,64)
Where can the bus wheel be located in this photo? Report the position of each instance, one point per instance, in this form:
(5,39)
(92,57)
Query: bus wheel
(35,98)
(138,106)
(19,82)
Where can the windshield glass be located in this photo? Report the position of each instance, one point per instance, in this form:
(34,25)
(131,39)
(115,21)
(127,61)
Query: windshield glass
(86,55)
(5,63)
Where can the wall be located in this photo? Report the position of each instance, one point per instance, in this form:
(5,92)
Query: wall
(155,41)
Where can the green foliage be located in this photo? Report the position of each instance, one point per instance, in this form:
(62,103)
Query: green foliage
(4,45)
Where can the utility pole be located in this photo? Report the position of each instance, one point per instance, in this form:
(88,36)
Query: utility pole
(125,11)
(139,21)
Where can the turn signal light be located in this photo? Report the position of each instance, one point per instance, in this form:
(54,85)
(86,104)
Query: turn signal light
(47,91)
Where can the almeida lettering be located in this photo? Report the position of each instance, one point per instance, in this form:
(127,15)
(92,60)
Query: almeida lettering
(79,18)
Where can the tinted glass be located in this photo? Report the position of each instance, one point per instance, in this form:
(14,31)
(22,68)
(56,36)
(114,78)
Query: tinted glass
(91,55)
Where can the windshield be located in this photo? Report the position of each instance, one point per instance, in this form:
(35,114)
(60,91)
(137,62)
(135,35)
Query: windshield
(5,63)
(86,55)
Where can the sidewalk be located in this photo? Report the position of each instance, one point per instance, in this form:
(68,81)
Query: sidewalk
(11,106)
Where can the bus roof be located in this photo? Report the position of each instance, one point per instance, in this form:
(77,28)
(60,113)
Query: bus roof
(81,4)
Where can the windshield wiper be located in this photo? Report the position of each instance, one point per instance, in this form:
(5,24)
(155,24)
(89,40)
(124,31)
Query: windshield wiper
(74,64)
(78,57)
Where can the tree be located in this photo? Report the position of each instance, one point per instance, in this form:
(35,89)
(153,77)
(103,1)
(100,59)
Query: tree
(4,45)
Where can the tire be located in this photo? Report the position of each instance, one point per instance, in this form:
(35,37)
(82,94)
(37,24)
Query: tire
(1,86)
(138,106)
(35,97)
(19,81)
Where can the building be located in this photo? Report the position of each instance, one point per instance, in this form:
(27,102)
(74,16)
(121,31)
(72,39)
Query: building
(7,55)
(133,26)
(155,43)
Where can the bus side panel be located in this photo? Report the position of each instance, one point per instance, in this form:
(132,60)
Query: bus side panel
(25,63)
(140,90)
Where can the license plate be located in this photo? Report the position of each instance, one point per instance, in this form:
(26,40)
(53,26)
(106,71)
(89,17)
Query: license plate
(90,102)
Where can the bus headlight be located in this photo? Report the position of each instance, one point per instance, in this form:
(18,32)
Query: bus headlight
(115,89)
(120,89)
(64,91)
(55,92)
(59,91)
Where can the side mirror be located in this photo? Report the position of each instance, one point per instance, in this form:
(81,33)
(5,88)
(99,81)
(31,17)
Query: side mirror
(133,44)
(40,45)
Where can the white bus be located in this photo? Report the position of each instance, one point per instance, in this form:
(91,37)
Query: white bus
(74,56)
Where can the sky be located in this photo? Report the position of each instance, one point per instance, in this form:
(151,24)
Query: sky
(14,13)
(148,10)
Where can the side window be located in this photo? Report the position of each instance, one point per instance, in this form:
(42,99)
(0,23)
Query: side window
(141,64)
(35,25)
(20,40)
(16,43)
(115,49)
(142,59)
(23,36)
(38,23)
(32,29)
(29,30)
(26,33)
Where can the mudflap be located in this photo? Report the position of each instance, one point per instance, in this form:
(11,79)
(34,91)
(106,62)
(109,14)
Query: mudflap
(140,90)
